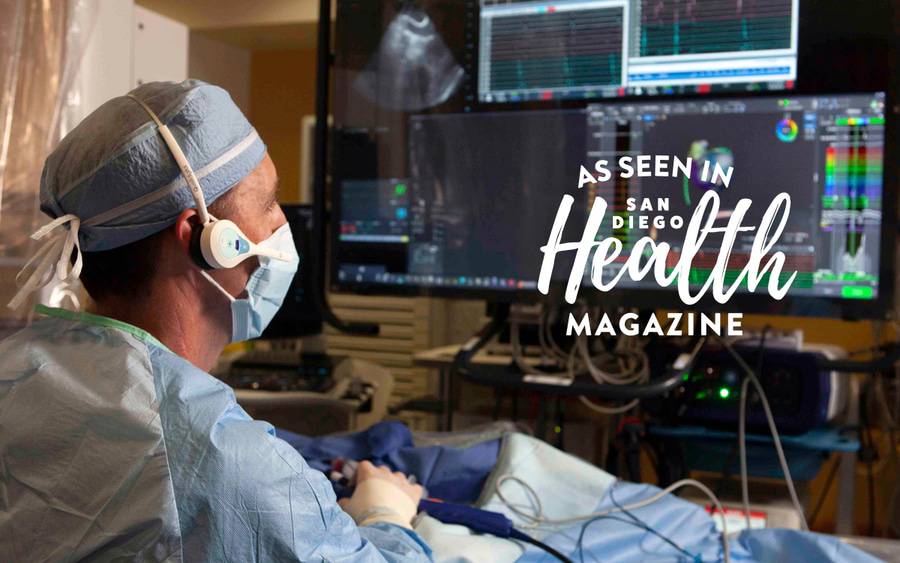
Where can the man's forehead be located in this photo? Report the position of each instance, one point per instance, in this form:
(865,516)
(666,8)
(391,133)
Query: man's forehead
(261,183)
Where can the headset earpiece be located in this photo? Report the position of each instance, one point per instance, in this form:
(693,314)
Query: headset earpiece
(196,249)
(224,245)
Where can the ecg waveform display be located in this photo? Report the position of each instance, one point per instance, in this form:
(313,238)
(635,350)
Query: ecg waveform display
(550,51)
(687,27)
(579,49)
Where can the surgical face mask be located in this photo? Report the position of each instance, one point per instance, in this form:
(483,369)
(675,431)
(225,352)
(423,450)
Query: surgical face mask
(265,289)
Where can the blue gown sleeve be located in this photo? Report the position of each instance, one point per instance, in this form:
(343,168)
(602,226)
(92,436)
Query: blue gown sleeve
(260,501)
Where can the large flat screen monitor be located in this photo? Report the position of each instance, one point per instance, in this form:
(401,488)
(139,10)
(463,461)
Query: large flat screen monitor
(481,197)
(458,126)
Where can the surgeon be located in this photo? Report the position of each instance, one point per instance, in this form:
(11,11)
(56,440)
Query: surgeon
(115,442)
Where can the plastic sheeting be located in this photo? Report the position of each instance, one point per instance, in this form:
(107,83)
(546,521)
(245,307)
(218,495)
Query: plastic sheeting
(40,52)
(555,485)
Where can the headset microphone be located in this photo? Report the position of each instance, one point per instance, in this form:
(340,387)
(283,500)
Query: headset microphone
(272,253)
(223,245)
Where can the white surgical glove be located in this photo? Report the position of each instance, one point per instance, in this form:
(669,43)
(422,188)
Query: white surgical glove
(382,496)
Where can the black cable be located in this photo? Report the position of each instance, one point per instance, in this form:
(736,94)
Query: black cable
(828,482)
(871,480)
(870,451)
(762,349)
(516,534)
(651,454)
(726,470)
(646,526)
(584,528)
(759,358)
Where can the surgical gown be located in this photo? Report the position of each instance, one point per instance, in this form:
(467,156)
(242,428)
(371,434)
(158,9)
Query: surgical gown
(114,448)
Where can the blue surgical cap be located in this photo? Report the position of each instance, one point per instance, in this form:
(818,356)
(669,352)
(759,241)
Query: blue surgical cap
(114,172)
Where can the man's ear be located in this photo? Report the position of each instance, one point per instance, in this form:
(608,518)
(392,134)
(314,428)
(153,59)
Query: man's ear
(184,225)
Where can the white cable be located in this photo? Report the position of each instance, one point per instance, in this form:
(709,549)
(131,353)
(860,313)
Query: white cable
(623,378)
(633,373)
(742,446)
(638,372)
(782,460)
(548,343)
(519,359)
(602,409)
(539,517)
(186,171)
(539,509)
(628,351)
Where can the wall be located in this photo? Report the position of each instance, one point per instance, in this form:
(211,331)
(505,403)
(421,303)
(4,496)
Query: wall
(160,48)
(221,64)
(208,14)
(282,91)
(106,67)
(846,334)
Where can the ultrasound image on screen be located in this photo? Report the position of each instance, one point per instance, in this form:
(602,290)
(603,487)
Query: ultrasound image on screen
(413,68)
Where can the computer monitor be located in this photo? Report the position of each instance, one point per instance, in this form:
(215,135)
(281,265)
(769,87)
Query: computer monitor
(584,49)
(452,148)
(299,314)
(483,188)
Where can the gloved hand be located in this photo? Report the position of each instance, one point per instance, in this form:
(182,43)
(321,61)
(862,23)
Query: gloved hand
(382,496)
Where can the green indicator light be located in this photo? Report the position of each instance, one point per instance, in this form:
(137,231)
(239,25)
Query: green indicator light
(685,377)
(857,292)
(400,189)
(724,392)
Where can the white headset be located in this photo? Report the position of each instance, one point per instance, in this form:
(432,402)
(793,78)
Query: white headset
(215,243)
